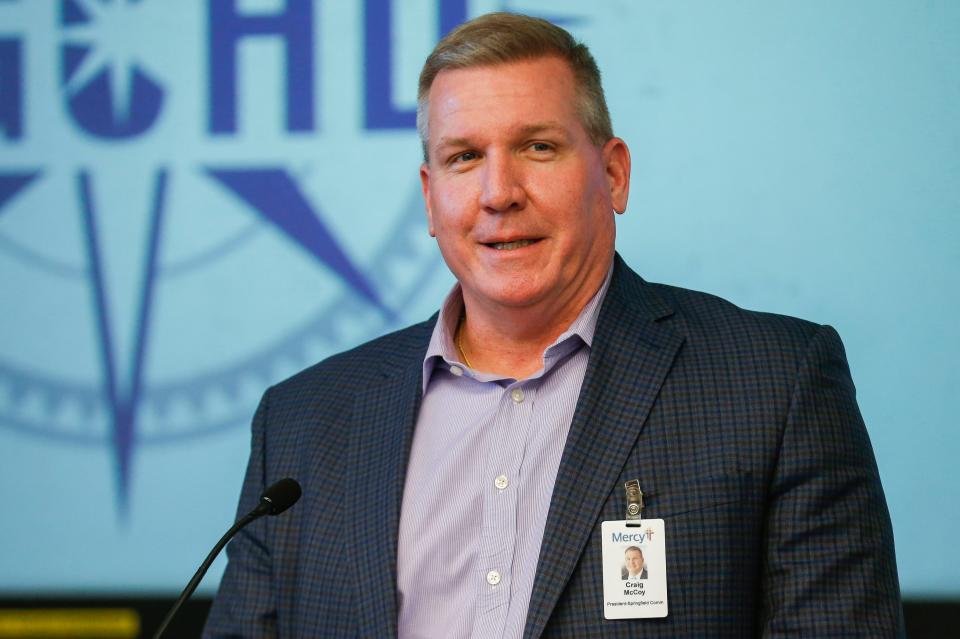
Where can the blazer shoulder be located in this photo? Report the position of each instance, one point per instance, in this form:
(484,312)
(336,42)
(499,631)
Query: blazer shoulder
(362,364)
(702,318)
(705,315)
(745,343)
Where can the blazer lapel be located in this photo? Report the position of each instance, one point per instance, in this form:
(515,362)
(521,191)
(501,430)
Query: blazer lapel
(385,416)
(630,358)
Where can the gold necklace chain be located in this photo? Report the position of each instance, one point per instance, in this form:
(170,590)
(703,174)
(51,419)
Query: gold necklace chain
(459,342)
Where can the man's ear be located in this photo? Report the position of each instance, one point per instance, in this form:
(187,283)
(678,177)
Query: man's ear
(616,160)
(425,188)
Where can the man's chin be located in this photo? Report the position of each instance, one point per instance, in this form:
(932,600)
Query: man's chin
(510,296)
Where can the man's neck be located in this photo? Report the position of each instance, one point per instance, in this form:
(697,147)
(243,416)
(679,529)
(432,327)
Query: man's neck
(511,341)
(509,355)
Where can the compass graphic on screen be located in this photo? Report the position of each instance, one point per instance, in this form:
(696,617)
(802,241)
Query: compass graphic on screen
(178,237)
(138,259)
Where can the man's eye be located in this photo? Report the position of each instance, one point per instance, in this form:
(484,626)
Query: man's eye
(466,156)
(541,147)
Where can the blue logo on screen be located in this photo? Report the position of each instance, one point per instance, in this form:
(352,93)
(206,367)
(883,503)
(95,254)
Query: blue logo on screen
(147,209)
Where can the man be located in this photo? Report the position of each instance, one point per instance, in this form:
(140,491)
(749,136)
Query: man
(456,474)
(633,564)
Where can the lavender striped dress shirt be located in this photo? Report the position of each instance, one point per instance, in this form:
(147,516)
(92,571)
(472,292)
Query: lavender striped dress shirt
(482,469)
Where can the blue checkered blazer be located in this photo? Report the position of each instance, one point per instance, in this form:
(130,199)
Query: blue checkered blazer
(742,428)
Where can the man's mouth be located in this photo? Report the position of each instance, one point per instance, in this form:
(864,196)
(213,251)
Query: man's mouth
(509,246)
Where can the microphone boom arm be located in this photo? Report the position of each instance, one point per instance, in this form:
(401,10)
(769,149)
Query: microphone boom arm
(275,499)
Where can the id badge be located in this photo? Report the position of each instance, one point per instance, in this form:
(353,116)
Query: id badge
(634,570)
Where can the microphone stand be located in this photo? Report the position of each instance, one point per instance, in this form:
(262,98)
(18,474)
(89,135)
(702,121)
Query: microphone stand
(198,576)
(274,500)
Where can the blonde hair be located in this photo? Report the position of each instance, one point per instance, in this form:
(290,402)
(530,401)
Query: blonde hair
(499,38)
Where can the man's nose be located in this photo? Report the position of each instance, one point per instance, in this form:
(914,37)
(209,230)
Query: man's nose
(502,189)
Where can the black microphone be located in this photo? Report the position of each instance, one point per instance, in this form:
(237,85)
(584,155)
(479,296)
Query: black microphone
(277,498)
(274,500)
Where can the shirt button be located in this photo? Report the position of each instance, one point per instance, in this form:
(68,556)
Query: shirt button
(456,370)
(501,482)
(517,395)
(493,577)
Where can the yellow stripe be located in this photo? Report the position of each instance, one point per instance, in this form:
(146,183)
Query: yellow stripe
(105,623)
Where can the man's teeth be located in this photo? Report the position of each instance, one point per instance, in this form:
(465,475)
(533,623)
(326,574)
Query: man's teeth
(507,246)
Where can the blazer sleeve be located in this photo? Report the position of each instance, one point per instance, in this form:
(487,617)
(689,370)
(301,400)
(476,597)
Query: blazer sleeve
(829,565)
(245,606)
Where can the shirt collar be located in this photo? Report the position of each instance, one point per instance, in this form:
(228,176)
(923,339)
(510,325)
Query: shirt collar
(442,350)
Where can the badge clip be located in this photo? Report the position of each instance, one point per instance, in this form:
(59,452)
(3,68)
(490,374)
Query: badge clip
(634,503)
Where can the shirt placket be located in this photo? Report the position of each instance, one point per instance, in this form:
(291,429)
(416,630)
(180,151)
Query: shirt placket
(498,537)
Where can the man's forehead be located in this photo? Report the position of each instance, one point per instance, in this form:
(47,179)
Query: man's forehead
(503,103)
(524,82)
(558,69)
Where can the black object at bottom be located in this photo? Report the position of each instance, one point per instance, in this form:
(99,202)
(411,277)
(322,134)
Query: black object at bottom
(924,619)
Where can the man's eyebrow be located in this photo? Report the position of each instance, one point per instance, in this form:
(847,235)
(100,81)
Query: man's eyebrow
(541,127)
(521,132)
(455,142)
